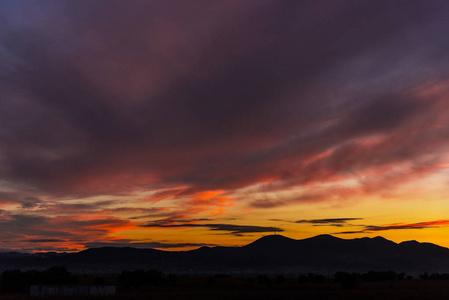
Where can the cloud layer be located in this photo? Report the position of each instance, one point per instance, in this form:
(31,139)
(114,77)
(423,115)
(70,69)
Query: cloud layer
(189,108)
(230,228)
(400,226)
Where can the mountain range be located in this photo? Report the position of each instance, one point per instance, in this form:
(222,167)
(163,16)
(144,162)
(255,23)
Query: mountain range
(272,253)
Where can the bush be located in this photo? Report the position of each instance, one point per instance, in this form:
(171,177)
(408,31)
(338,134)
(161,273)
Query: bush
(264,280)
(347,280)
(140,278)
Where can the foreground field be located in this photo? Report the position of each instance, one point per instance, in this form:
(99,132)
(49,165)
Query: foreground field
(398,290)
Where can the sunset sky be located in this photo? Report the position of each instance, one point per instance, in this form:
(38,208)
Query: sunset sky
(174,124)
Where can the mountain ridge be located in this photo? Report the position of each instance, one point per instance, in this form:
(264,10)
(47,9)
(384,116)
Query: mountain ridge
(271,253)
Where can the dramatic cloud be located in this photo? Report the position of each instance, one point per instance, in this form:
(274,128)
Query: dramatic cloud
(133,111)
(97,119)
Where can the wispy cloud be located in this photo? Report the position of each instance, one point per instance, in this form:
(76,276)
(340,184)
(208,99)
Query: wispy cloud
(153,245)
(230,228)
(421,225)
(44,240)
(338,222)
(400,226)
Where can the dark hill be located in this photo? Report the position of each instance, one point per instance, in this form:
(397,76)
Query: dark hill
(115,253)
(271,242)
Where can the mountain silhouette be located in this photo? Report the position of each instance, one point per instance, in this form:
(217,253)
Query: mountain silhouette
(272,253)
(271,242)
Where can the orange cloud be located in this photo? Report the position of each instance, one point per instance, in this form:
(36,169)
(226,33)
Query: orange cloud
(164,194)
(421,225)
(211,200)
(400,226)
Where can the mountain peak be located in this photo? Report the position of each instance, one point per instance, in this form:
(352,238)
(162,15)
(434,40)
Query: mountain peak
(275,236)
(273,240)
(411,242)
(324,238)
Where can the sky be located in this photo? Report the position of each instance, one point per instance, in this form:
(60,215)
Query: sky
(175,124)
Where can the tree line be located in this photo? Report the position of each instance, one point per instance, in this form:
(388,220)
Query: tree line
(16,280)
(13,281)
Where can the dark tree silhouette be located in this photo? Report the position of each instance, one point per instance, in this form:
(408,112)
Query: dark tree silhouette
(18,281)
(139,279)
(347,280)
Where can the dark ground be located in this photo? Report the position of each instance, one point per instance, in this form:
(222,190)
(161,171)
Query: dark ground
(400,290)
